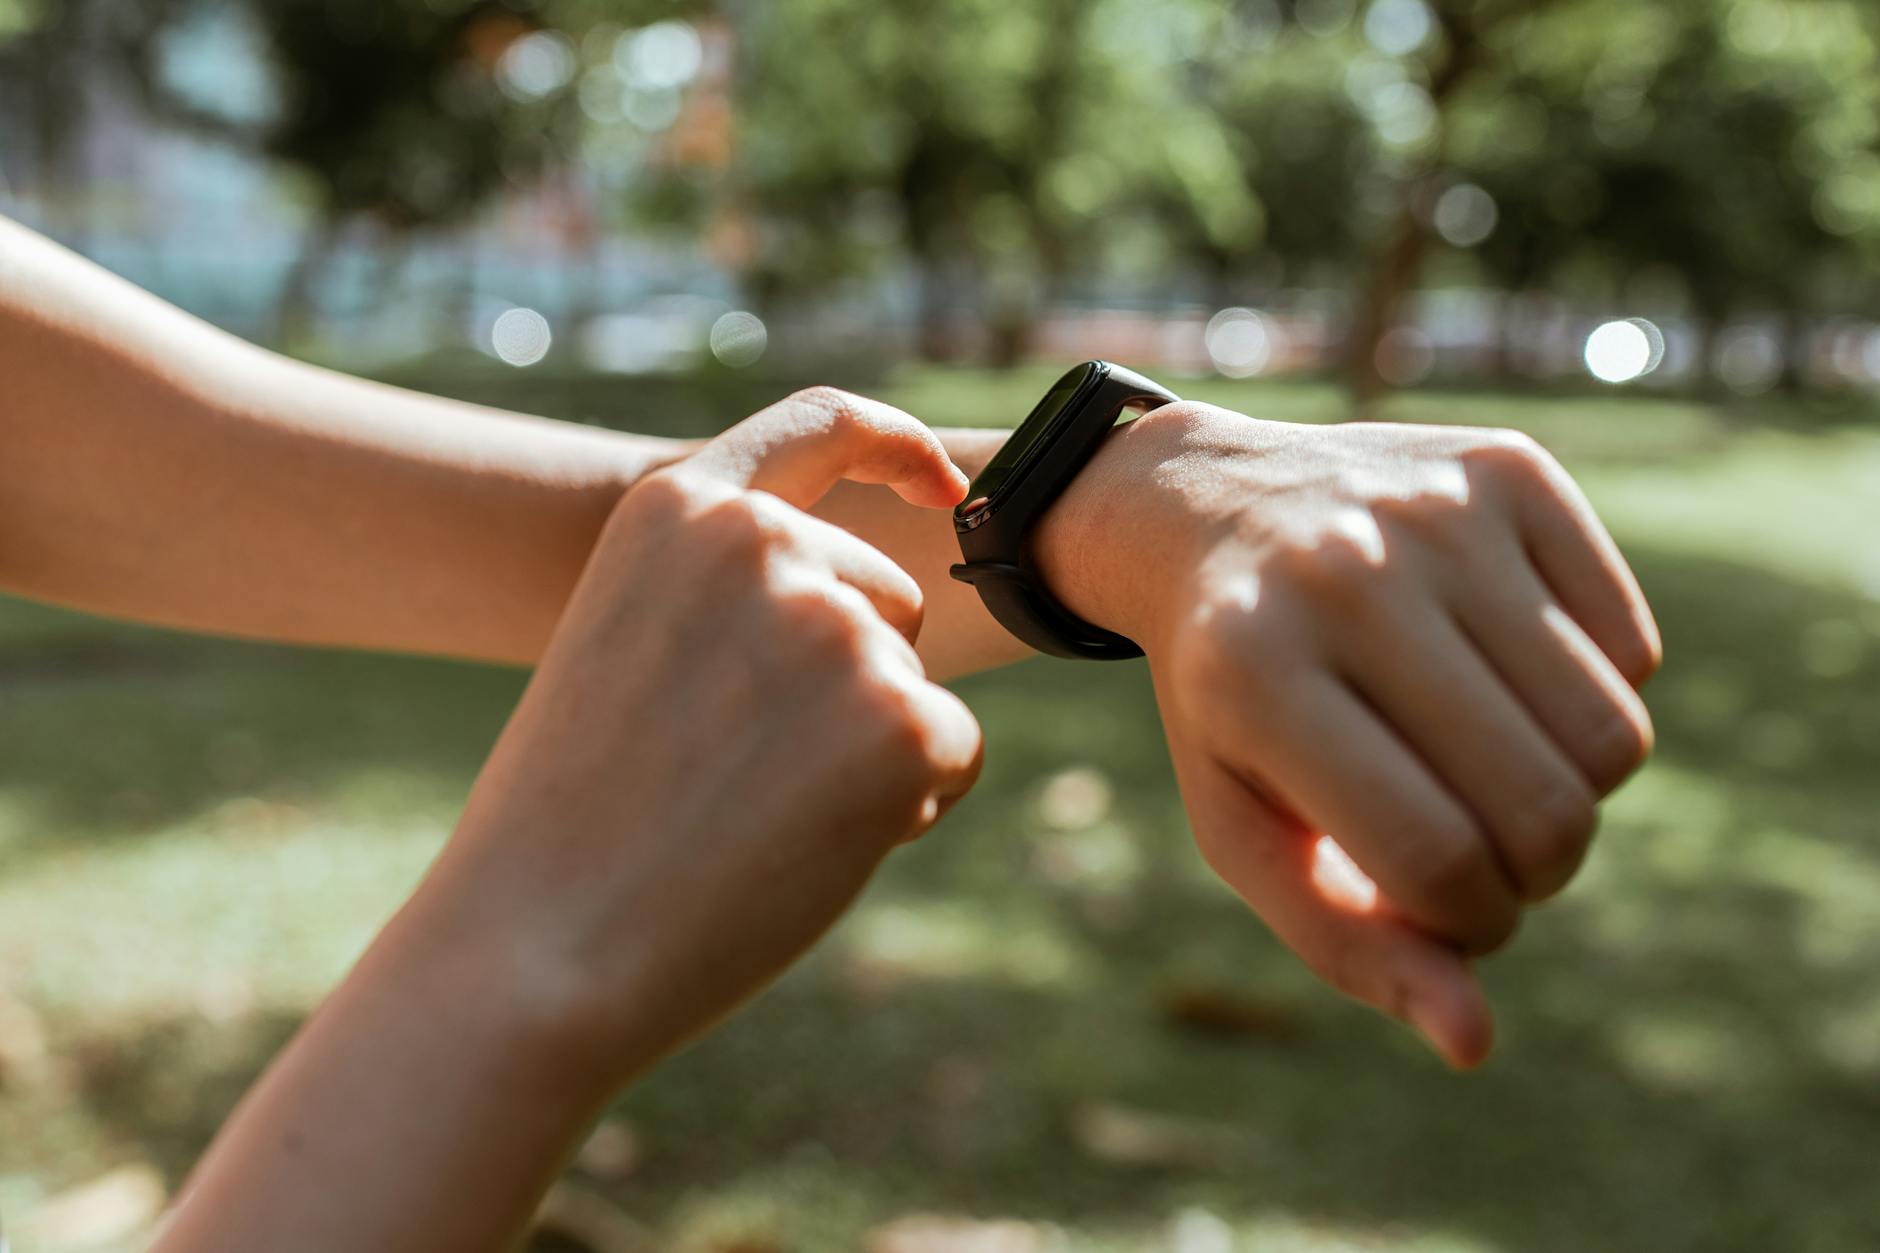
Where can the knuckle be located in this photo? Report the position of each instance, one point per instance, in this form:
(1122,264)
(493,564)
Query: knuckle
(1617,745)
(1511,454)
(1639,654)
(818,625)
(1453,879)
(776,521)
(910,606)
(902,736)
(1652,658)
(1339,574)
(1450,864)
(1516,446)
(732,527)
(1551,838)
(1229,652)
(1654,648)
(1437,517)
(1494,932)
(839,406)
(661,499)
(660,492)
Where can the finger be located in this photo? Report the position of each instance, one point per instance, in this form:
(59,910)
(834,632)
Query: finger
(947,746)
(1571,687)
(891,591)
(954,748)
(1462,719)
(798,448)
(1335,763)
(1578,559)
(1315,902)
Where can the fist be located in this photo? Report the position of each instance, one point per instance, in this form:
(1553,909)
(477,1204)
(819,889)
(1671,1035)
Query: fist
(728,732)
(1397,666)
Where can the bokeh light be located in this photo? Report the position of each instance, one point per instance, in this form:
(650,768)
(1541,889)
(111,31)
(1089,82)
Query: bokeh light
(1619,352)
(1403,114)
(1654,337)
(738,339)
(1465,215)
(662,57)
(1397,28)
(537,65)
(1238,343)
(521,337)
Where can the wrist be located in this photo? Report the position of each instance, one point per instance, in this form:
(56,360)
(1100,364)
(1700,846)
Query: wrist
(1110,547)
(531,1000)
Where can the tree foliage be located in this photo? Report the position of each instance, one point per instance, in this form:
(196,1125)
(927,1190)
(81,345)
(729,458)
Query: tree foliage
(1006,156)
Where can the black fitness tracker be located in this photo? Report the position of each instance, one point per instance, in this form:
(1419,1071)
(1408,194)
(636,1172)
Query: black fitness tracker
(1030,471)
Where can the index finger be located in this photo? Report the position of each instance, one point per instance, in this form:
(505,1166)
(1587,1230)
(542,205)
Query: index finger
(798,448)
(1577,557)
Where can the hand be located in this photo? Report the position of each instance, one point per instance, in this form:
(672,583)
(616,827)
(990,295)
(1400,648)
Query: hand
(728,732)
(1414,649)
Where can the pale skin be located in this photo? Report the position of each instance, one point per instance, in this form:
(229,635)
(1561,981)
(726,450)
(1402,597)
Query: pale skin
(1416,642)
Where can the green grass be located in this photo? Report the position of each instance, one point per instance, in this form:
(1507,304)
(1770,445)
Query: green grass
(197,836)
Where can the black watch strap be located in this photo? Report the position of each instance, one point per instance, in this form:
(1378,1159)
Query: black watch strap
(1018,600)
(995,530)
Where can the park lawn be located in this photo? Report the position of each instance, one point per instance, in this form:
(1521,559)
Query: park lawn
(1047,1010)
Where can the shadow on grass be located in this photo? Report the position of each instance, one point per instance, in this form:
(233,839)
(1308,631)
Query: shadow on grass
(110,731)
(1689,1058)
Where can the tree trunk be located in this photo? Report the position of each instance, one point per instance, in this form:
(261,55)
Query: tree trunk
(1395,273)
(1392,279)
(1797,339)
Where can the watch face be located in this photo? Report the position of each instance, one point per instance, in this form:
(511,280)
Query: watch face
(1011,461)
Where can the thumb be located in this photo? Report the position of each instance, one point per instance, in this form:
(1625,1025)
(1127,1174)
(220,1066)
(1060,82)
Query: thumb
(1323,908)
(799,448)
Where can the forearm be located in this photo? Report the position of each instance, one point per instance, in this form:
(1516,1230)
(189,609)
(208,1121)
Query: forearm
(160,470)
(573,930)
(426,1106)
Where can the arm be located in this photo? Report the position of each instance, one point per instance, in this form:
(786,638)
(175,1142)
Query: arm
(1419,642)
(158,469)
(573,930)
(1397,668)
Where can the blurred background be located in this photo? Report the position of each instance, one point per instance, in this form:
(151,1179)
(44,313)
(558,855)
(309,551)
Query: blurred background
(1647,233)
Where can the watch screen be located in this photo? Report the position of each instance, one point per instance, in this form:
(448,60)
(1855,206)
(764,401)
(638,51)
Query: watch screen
(1031,434)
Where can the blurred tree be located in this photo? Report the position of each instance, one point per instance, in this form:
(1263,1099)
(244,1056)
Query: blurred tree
(48,49)
(934,130)
(987,143)
(1300,149)
(1446,53)
(406,113)
(1725,151)
(1709,143)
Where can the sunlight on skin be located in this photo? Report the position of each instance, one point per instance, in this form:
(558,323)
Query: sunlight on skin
(1360,529)
(1339,880)
(1449,483)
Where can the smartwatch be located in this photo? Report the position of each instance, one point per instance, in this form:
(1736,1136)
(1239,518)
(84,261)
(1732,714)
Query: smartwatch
(1021,481)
